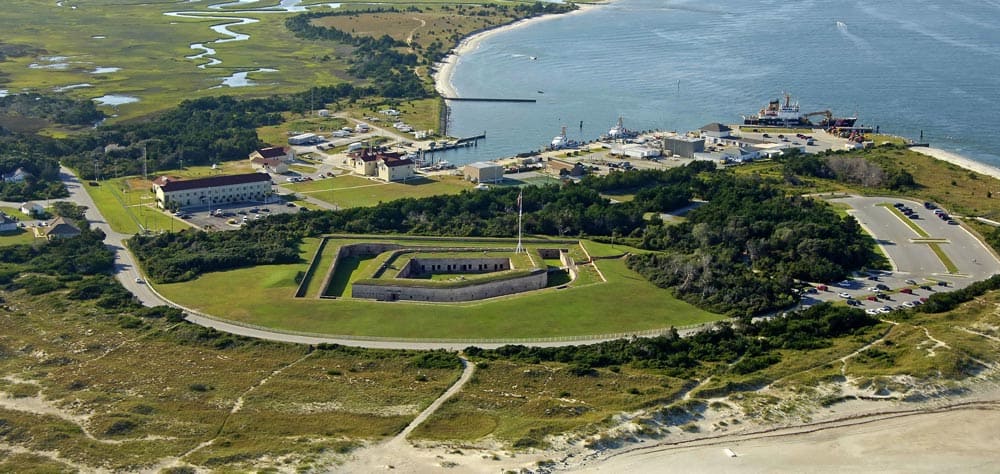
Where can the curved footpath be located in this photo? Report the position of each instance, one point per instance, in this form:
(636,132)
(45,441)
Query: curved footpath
(127,271)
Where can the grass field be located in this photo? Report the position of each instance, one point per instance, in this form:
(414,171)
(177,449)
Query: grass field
(19,236)
(129,210)
(264,296)
(355,191)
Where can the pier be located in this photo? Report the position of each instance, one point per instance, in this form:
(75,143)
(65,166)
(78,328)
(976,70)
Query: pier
(460,143)
(486,99)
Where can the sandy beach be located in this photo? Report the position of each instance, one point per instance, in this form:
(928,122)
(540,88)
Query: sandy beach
(446,68)
(958,160)
(960,440)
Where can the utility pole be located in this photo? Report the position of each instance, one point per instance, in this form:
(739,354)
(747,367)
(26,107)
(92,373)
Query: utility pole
(520,207)
(144,177)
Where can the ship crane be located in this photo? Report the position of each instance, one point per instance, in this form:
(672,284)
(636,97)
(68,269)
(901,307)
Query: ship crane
(825,113)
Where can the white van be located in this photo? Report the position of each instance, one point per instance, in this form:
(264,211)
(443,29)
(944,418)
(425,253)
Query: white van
(355,146)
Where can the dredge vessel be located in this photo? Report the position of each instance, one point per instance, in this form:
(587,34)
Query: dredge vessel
(788,114)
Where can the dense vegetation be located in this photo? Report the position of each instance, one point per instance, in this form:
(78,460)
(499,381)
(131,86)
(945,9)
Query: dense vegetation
(742,251)
(375,59)
(847,167)
(181,256)
(53,108)
(198,132)
(734,348)
(81,265)
(946,301)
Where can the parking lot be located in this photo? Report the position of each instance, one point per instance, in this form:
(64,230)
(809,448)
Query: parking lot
(917,271)
(234,215)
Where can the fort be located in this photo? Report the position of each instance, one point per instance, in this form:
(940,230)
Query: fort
(440,273)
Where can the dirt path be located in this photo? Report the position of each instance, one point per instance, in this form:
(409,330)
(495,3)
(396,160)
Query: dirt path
(397,453)
(409,37)
(237,406)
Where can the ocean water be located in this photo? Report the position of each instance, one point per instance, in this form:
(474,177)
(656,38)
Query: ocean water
(904,65)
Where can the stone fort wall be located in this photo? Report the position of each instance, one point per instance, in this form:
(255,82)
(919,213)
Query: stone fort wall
(536,280)
(424,266)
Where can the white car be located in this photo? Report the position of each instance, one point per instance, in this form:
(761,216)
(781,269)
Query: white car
(872,311)
(139,280)
(844,295)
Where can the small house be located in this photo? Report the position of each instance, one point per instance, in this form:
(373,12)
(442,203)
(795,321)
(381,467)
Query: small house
(18,176)
(7,224)
(275,152)
(60,228)
(269,165)
(31,208)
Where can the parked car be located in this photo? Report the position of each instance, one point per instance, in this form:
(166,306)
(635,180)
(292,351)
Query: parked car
(844,295)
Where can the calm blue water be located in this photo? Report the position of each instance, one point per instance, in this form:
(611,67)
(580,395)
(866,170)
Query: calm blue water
(904,65)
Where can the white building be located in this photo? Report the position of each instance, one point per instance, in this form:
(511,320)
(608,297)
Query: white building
(395,169)
(715,132)
(211,191)
(274,152)
(633,150)
(304,139)
(19,175)
(483,172)
(32,208)
(269,165)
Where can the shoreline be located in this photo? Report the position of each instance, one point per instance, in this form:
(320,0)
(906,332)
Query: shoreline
(445,69)
(958,160)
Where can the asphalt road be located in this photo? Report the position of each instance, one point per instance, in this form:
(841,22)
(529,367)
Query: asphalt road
(914,265)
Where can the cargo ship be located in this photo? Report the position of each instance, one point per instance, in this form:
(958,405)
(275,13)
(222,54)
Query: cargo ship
(788,114)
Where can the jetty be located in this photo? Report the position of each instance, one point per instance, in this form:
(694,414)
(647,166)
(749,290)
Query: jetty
(488,99)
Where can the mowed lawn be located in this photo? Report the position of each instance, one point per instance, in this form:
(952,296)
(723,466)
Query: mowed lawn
(128,211)
(355,191)
(264,296)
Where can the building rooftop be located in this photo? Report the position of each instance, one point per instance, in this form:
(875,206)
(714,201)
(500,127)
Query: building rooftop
(715,127)
(484,165)
(393,162)
(60,226)
(272,152)
(168,184)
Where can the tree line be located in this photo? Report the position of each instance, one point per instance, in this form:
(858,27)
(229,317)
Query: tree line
(741,348)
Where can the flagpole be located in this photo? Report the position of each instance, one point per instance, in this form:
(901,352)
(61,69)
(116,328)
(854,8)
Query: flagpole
(520,207)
